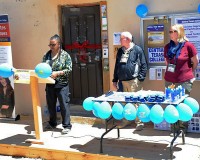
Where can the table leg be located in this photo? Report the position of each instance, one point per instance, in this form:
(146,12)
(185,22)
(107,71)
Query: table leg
(176,134)
(36,111)
(101,140)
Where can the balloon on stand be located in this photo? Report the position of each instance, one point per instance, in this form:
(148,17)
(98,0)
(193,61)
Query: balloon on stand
(141,10)
(192,103)
(6,70)
(117,111)
(129,112)
(185,112)
(104,111)
(143,113)
(96,105)
(43,70)
(171,114)
(88,103)
(156,114)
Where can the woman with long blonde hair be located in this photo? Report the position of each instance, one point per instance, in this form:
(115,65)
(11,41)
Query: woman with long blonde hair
(181,59)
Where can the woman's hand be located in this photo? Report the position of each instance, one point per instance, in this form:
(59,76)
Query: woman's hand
(195,62)
(55,74)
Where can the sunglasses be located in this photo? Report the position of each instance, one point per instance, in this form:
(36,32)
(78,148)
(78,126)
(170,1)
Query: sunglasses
(51,45)
(170,32)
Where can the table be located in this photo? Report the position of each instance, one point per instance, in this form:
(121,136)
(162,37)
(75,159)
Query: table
(118,97)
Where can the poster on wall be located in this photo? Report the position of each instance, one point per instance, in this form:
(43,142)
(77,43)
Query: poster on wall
(116,38)
(197,73)
(192,30)
(7,102)
(155,34)
(156,73)
(156,55)
(104,17)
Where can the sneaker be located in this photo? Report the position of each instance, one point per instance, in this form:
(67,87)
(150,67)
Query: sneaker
(66,130)
(139,127)
(49,127)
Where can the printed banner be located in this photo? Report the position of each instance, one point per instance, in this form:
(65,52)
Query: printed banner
(192,30)
(7,102)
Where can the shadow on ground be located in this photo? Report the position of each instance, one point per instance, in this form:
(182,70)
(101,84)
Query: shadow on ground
(127,148)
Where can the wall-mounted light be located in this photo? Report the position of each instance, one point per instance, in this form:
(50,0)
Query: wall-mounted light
(155,20)
(165,19)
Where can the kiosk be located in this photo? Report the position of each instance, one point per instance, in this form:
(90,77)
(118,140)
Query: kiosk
(30,77)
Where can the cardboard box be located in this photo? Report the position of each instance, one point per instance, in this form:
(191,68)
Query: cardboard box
(193,124)
(162,126)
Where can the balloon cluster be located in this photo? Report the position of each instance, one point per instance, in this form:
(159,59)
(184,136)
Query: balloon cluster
(145,112)
(43,70)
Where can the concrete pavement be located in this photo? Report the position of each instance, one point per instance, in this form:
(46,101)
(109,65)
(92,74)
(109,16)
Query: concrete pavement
(149,144)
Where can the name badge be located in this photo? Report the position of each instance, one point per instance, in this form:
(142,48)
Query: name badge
(171,68)
(124,58)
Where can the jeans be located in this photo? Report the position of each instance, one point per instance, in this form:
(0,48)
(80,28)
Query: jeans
(62,94)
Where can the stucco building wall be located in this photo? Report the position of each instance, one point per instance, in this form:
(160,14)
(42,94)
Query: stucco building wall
(33,22)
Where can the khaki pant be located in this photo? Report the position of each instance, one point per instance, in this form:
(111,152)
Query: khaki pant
(133,85)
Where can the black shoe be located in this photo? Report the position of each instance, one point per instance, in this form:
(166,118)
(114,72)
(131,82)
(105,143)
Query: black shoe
(49,127)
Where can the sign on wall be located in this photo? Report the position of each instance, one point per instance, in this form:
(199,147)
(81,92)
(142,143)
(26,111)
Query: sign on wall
(192,30)
(156,55)
(155,34)
(7,102)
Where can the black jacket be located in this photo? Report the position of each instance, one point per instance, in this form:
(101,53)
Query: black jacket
(136,66)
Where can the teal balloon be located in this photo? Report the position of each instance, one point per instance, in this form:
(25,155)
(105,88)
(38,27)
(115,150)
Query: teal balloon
(192,103)
(129,112)
(185,112)
(141,10)
(171,114)
(6,70)
(117,111)
(104,111)
(96,105)
(143,113)
(43,70)
(88,103)
(157,114)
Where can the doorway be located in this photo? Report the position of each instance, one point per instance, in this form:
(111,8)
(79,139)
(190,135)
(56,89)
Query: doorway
(81,31)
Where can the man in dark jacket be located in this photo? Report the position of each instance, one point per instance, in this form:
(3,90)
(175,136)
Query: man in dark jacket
(130,67)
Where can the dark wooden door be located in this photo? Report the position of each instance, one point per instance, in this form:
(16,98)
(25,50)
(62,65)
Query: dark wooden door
(82,39)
